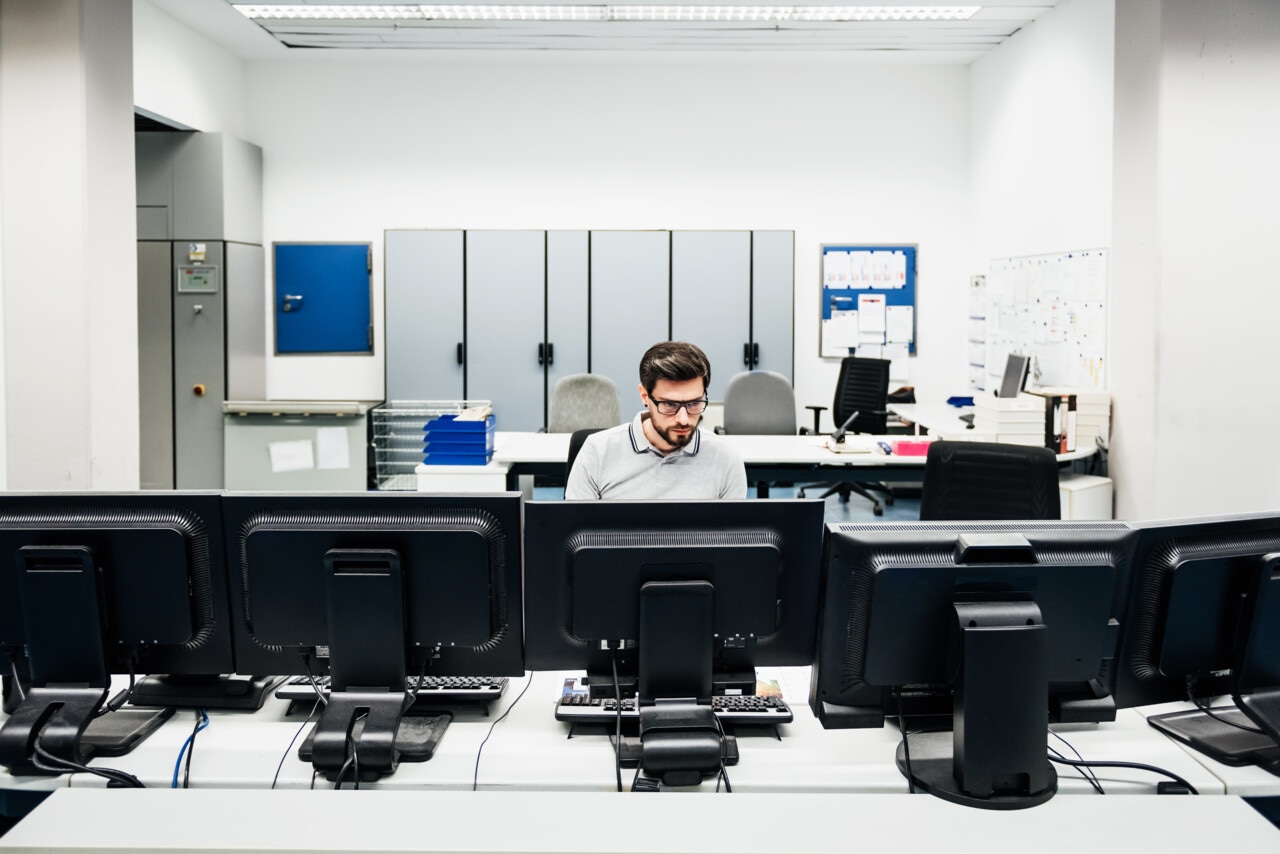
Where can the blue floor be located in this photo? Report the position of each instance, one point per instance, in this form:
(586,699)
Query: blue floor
(857,509)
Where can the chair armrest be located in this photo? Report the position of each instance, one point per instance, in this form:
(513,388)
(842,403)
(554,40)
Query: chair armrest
(817,413)
(719,429)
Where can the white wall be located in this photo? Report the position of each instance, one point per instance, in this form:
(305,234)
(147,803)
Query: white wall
(1041,136)
(837,150)
(180,75)
(70,280)
(1218,214)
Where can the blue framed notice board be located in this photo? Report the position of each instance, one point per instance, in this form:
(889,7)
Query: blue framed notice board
(868,301)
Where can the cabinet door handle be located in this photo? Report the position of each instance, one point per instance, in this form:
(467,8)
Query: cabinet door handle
(551,353)
(542,354)
(746,354)
(755,355)
(461,354)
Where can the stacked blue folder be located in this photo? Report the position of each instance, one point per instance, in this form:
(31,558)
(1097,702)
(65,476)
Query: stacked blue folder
(450,442)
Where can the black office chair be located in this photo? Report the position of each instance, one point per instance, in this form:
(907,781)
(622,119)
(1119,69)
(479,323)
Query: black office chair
(575,445)
(862,388)
(989,481)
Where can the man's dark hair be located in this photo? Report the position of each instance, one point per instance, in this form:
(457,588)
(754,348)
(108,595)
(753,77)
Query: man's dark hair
(675,361)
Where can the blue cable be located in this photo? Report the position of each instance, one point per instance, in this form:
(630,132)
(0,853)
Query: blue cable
(177,766)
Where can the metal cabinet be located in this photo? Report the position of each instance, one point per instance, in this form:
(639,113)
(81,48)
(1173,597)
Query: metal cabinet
(502,315)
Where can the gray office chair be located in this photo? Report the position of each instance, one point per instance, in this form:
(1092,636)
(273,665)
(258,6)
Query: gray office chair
(759,403)
(989,481)
(580,401)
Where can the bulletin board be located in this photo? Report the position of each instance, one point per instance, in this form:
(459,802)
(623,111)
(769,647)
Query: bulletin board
(1051,307)
(869,303)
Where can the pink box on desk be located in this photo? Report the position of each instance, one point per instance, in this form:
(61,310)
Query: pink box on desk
(911,447)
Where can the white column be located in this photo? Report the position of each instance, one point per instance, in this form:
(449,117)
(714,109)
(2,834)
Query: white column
(68,264)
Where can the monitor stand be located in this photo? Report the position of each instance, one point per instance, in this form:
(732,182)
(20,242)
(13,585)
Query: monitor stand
(995,756)
(227,691)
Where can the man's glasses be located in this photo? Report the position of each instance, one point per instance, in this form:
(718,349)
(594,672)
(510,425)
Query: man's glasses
(671,407)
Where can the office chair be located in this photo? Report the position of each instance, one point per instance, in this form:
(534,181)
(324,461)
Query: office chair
(575,445)
(583,400)
(759,403)
(862,388)
(989,481)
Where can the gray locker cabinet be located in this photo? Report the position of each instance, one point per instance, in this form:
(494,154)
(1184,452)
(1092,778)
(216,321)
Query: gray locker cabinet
(567,303)
(199,370)
(424,315)
(506,325)
(155,363)
(773,301)
(711,298)
(630,304)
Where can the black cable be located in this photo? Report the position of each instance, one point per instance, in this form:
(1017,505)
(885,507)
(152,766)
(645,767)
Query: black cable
(315,686)
(202,720)
(1137,765)
(475,780)
(122,697)
(411,695)
(724,772)
(46,761)
(17,682)
(1091,777)
(617,742)
(314,708)
(906,745)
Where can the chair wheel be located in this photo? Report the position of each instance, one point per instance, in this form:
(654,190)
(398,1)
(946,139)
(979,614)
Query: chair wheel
(878,510)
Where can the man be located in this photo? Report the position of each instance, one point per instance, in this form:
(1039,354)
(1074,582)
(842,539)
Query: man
(662,453)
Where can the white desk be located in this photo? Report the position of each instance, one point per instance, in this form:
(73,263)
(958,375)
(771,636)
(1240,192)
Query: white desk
(767,458)
(530,750)
(242,821)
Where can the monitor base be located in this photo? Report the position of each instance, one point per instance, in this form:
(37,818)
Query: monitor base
(932,770)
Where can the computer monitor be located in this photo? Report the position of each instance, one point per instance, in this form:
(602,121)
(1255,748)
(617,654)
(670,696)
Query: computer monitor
(1016,623)
(684,598)
(1204,621)
(100,583)
(1014,380)
(373,588)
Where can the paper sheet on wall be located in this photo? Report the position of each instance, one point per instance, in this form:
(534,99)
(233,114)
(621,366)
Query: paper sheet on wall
(861,274)
(331,448)
(899,328)
(890,270)
(871,314)
(291,456)
(899,368)
(871,351)
(835,269)
(839,333)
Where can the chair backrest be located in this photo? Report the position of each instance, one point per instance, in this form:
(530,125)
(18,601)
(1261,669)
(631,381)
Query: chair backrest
(989,481)
(863,387)
(583,400)
(759,403)
(575,445)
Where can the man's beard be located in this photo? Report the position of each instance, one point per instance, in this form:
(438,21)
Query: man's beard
(672,439)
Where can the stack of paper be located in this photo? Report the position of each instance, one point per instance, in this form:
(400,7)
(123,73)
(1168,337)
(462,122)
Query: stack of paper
(1093,414)
(1016,420)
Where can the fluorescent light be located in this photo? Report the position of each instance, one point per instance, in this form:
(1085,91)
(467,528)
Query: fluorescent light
(261,11)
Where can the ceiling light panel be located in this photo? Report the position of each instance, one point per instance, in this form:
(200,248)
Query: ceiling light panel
(516,12)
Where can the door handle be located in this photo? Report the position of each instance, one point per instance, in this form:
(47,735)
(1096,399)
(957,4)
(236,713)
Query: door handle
(291,301)
(746,354)
(461,354)
(551,353)
(542,354)
(755,355)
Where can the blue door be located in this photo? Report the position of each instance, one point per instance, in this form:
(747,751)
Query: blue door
(323,294)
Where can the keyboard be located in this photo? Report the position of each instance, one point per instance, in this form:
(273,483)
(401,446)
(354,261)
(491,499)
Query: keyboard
(729,709)
(435,689)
